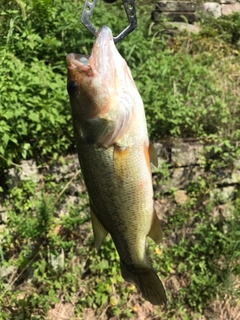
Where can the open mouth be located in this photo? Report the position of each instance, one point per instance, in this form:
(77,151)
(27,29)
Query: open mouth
(77,60)
(102,56)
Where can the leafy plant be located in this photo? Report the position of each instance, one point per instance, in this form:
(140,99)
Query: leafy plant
(176,77)
(49,258)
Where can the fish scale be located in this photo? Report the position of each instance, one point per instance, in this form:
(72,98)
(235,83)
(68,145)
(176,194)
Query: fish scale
(114,153)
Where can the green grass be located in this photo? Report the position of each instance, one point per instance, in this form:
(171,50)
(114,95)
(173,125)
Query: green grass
(57,253)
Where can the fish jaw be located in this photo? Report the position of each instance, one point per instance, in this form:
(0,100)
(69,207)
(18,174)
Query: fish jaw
(113,69)
(105,58)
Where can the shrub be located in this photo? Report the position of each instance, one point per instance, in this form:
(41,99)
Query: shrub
(179,90)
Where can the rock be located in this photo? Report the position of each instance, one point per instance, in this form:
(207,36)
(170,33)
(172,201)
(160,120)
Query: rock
(65,310)
(183,26)
(162,207)
(2,229)
(225,211)
(236,164)
(180,178)
(173,284)
(227,1)
(181,154)
(65,170)
(227,177)
(234,178)
(190,17)
(211,9)
(7,271)
(28,171)
(223,195)
(230,8)
(69,202)
(180,196)
(185,154)
(3,214)
(162,153)
(172,6)
(3,210)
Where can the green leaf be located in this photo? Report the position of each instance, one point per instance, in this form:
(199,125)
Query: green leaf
(33,116)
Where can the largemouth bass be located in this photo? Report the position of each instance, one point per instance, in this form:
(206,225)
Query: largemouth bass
(115,154)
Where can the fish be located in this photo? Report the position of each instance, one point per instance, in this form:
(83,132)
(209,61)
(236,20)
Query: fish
(115,156)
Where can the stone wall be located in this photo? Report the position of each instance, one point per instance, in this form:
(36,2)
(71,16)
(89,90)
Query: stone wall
(183,163)
(188,11)
(186,163)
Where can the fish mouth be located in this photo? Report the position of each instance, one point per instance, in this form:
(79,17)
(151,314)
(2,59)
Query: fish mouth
(100,52)
(103,52)
(105,60)
(77,60)
(101,59)
(104,39)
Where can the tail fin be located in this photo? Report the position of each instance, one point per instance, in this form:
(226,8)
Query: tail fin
(148,283)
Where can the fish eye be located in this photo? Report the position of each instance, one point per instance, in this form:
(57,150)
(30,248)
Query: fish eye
(71,87)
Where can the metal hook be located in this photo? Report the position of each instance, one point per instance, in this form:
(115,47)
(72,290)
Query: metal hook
(129,9)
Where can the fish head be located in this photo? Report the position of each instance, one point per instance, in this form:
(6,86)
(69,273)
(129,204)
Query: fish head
(95,84)
(101,87)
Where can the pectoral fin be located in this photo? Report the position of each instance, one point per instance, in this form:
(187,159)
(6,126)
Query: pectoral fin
(155,232)
(120,162)
(153,154)
(99,231)
(109,130)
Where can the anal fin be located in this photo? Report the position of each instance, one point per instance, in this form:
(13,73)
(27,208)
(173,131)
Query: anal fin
(153,154)
(99,231)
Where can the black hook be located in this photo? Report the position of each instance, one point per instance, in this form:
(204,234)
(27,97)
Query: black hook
(109,1)
(129,9)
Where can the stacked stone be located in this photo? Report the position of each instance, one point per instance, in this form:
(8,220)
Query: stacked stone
(184,11)
(216,10)
(187,11)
